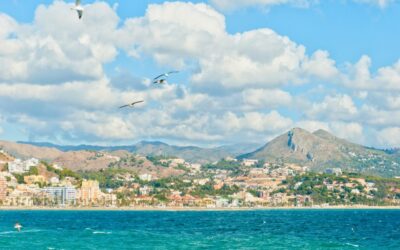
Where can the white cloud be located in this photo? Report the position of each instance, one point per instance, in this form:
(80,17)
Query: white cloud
(338,107)
(7,24)
(312,125)
(225,62)
(321,65)
(351,131)
(385,100)
(379,118)
(389,137)
(253,121)
(174,32)
(359,76)
(235,4)
(57,47)
(99,125)
(266,98)
(53,84)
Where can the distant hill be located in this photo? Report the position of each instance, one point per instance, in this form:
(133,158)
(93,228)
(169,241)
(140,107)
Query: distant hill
(189,153)
(67,148)
(24,151)
(321,150)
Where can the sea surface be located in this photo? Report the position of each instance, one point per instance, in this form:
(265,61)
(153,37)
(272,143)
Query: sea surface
(270,229)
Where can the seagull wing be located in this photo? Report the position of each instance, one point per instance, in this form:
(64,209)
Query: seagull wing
(158,77)
(80,13)
(77,2)
(173,72)
(136,102)
(124,106)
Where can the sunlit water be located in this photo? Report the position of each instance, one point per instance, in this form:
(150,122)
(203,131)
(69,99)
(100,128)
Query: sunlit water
(272,229)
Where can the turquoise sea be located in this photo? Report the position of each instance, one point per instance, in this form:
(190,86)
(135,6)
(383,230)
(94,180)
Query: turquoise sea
(270,229)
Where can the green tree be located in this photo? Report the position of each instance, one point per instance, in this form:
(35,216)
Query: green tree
(33,171)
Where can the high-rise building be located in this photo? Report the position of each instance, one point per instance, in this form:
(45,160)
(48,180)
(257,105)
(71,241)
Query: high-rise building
(90,191)
(62,195)
(3,188)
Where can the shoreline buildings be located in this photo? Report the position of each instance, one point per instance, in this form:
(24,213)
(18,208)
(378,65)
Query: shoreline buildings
(3,189)
(62,195)
(90,192)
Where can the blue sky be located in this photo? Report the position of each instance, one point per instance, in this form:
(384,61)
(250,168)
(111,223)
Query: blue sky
(248,73)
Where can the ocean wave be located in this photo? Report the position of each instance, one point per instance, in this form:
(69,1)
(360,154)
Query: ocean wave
(32,231)
(101,232)
(8,232)
(352,245)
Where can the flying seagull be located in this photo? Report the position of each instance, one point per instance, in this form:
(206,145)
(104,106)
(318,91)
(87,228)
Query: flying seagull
(131,105)
(163,77)
(78,7)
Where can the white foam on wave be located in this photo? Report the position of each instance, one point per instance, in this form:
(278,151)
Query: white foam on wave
(8,232)
(21,232)
(352,245)
(30,231)
(101,232)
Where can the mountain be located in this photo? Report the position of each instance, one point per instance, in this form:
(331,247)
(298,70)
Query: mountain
(321,150)
(189,153)
(318,150)
(82,147)
(27,151)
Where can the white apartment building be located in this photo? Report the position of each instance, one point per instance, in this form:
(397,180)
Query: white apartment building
(19,166)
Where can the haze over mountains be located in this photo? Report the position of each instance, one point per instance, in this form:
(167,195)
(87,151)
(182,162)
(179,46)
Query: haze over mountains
(318,150)
(189,153)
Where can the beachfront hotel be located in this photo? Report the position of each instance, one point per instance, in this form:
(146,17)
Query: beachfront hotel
(3,189)
(90,192)
(62,195)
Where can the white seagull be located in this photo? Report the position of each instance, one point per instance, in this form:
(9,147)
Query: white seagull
(78,7)
(131,104)
(163,77)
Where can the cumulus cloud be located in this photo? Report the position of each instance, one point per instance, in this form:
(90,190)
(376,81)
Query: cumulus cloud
(338,107)
(352,131)
(254,121)
(359,76)
(379,118)
(349,130)
(174,32)
(224,62)
(389,137)
(8,25)
(238,87)
(266,98)
(57,47)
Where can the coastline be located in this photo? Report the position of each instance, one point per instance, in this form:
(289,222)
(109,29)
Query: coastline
(194,209)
